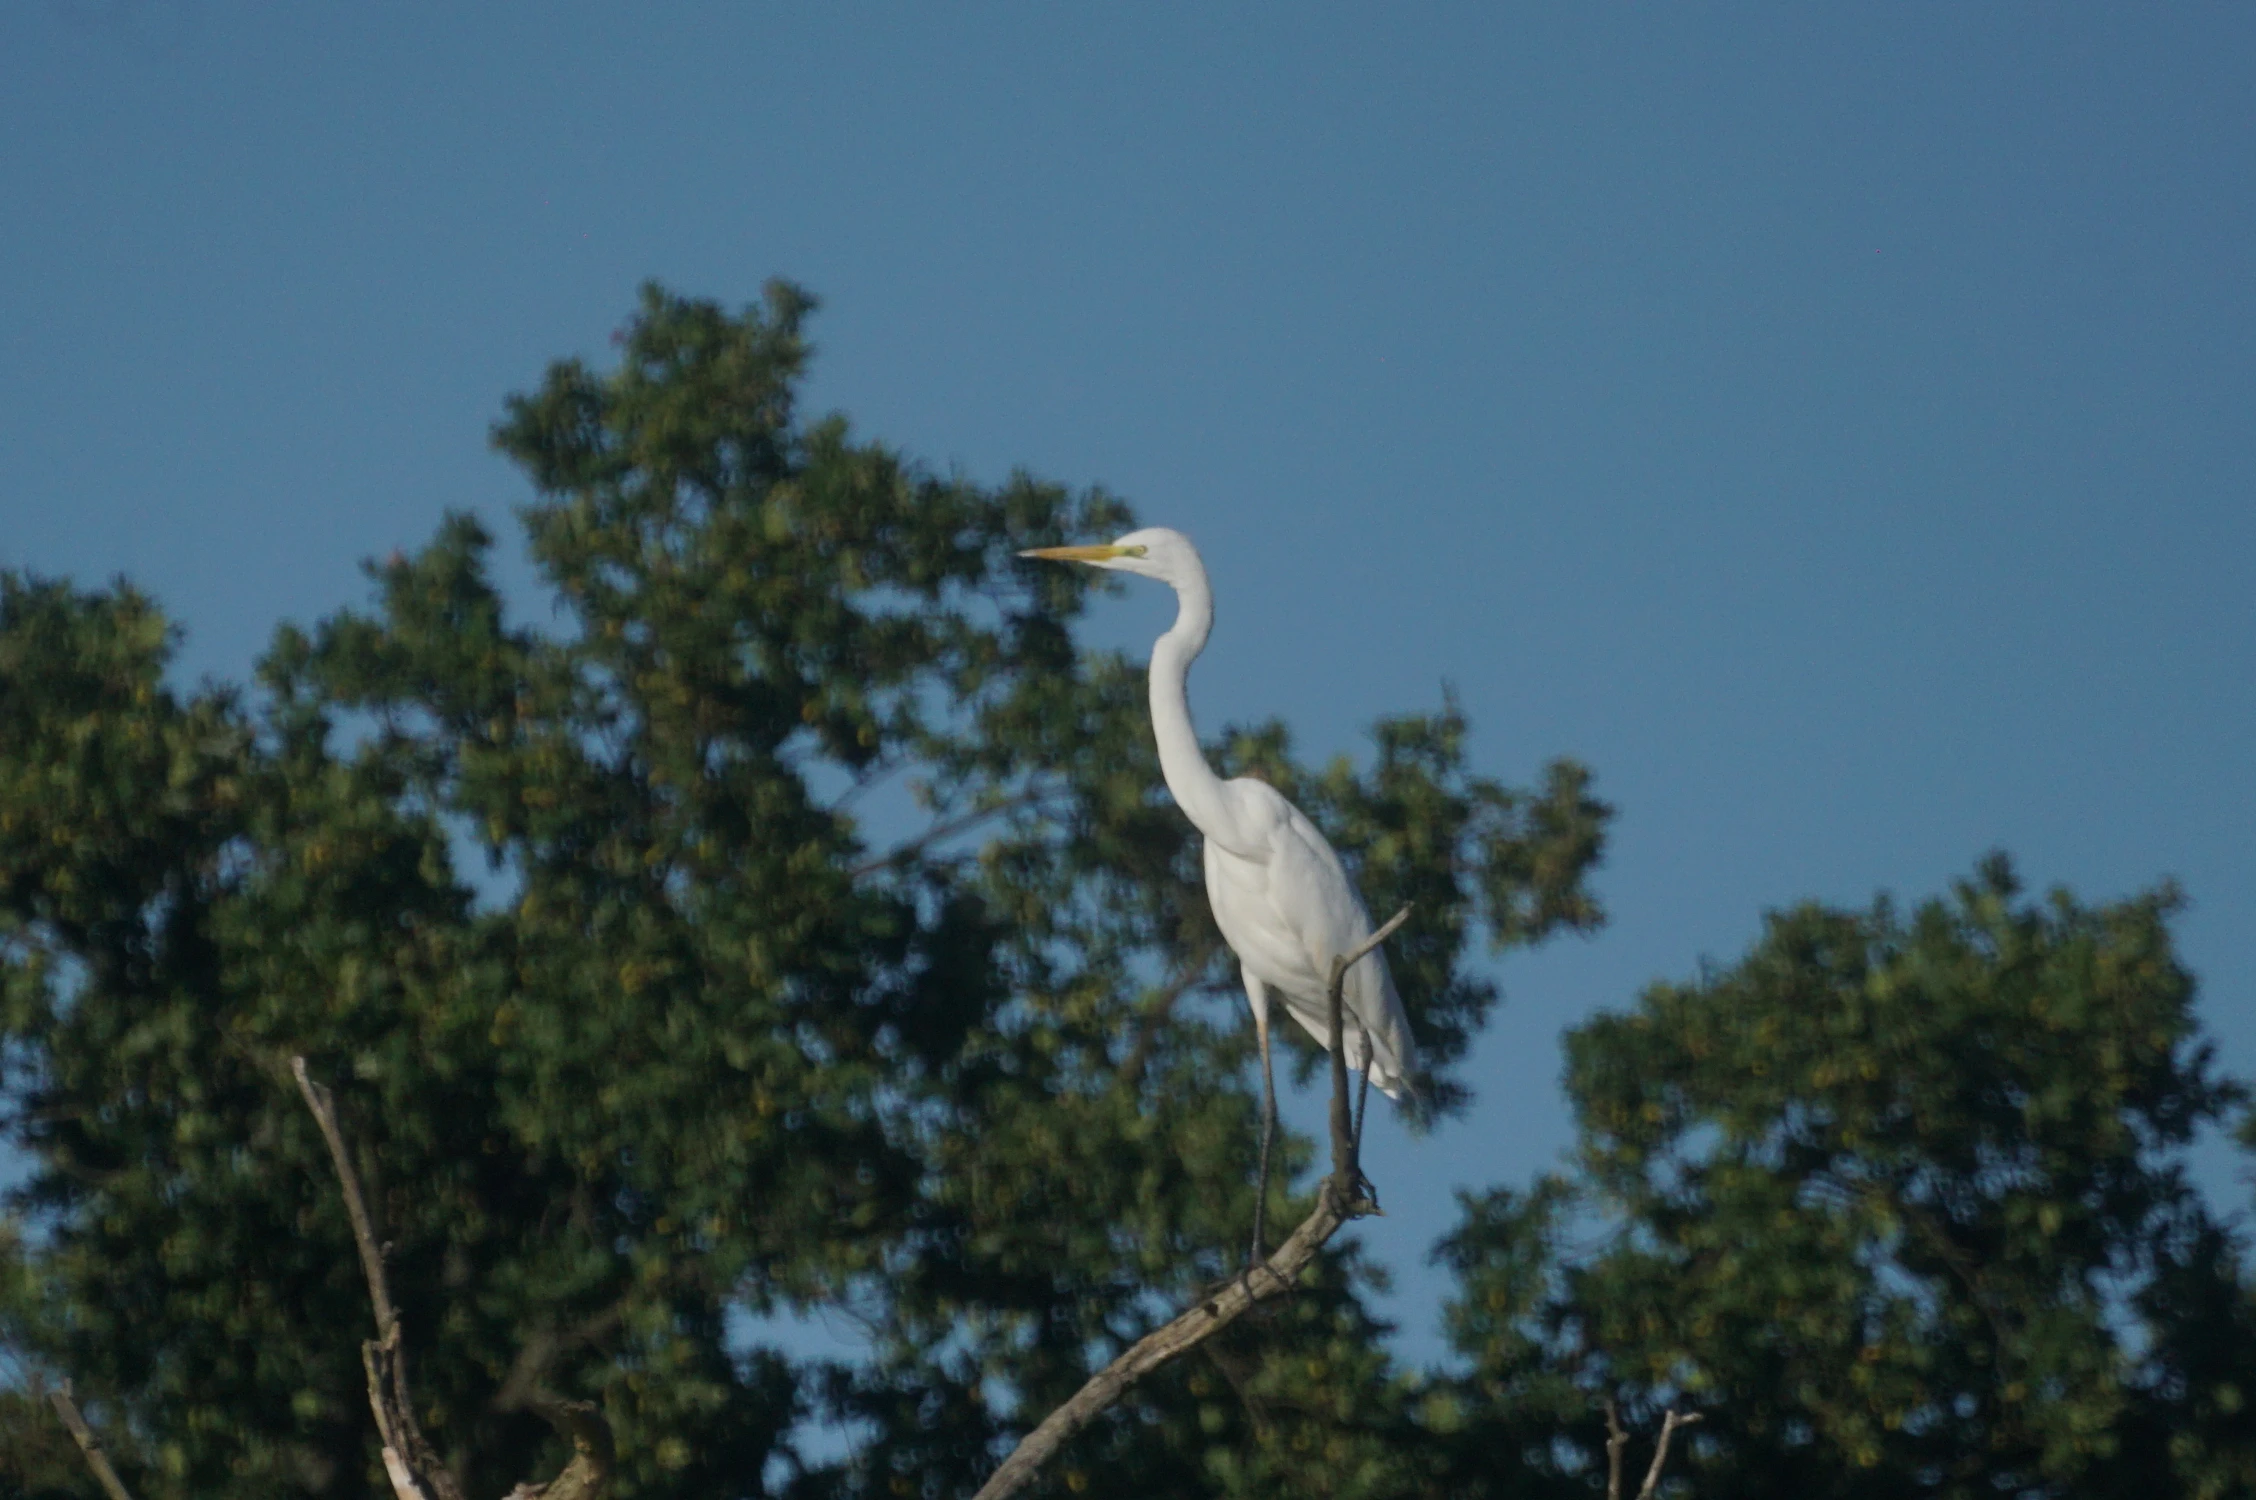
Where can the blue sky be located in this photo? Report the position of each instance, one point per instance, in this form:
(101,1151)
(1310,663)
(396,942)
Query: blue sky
(1834,424)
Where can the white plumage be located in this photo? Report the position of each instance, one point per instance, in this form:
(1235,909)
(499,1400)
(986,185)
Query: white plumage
(1287,913)
(1280,895)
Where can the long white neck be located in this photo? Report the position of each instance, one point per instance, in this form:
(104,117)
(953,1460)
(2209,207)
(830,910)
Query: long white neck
(1196,789)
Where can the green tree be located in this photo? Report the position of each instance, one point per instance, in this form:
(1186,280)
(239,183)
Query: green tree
(1900,1204)
(696,1045)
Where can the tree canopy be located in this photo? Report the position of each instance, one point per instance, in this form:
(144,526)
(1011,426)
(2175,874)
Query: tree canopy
(799,923)
(1900,1205)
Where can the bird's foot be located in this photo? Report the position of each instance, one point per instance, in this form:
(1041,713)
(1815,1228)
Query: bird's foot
(1257,1259)
(1258,1280)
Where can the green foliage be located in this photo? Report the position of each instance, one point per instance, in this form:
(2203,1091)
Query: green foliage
(1900,1205)
(695,1044)
(801,925)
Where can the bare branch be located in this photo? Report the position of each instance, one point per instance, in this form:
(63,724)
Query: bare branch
(1276,1278)
(415,1470)
(948,829)
(96,1459)
(324,1110)
(1156,1013)
(870,775)
(1672,1420)
(521,1389)
(405,1486)
(1338,1199)
(588,1474)
(1347,1166)
(1371,943)
(1616,1441)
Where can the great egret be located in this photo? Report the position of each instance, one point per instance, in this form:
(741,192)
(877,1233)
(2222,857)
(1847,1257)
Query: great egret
(1279,893)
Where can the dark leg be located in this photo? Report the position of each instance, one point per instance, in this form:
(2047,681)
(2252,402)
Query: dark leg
(1363,1089)
(1260,998)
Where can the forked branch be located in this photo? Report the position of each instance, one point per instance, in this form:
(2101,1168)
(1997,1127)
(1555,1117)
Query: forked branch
(1670,1421)
(415,1471)
(1617,1440)
(1340,1197)
(410,1463)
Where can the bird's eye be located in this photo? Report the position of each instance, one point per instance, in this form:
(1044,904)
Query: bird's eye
(1137,551)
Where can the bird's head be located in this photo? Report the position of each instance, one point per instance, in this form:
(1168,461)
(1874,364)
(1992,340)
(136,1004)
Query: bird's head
(1155,552)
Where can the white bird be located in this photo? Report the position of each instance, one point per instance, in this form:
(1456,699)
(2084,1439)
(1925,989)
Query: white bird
(1279,892)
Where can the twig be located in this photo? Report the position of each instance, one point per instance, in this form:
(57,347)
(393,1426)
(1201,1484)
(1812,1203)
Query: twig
(324,1109)
(1335,1205)
(1362,1087)
(1670,1421)
(1155,1014)
(949,829)
(588,1474)
(414,1469)
(869,776)
(522,1388)
(1256,1409)
(1371,943)
(1347,1165)
(96,1459)
(1616,1441)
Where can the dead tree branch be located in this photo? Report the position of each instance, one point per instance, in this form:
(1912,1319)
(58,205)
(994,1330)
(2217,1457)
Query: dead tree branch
(947,829)
(371,1249)
(413,1467)
(1347,1165)
(1670,1421)
(1617,1440)
(588,1473)
(522,1388)
(1339,1198)
(1161,1007)
(88,1444)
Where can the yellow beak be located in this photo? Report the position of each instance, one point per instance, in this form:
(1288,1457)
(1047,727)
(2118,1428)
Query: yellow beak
(1080,554)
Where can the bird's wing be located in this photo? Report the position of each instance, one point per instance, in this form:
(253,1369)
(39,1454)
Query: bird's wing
(1311,885)
(1260,811)
(1289,912)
